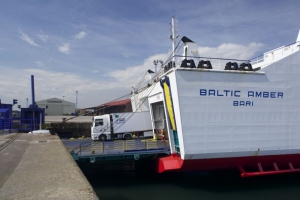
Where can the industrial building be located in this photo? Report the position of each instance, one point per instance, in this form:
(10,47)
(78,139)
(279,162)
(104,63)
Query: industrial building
(109,107)
(55,106)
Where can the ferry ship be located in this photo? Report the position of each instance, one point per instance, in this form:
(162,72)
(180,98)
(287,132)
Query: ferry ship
(225,113)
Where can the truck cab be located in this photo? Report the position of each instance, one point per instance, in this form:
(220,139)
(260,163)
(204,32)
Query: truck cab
(101,127)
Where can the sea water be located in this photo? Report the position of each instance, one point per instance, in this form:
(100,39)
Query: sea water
(201,185)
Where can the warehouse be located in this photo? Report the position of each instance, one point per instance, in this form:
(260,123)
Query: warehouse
(55,106)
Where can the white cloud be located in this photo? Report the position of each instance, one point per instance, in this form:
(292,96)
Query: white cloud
(95,71)
(50,84)
(40,64)
(64,48)
(132,75)
(80,35)
(93,92)
(27,39)
(229,50)
(43,37)
(125,55)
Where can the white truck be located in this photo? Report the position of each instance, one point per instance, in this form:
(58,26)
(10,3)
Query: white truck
(121,126)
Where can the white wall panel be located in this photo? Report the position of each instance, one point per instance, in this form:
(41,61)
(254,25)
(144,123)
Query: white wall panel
(211,126)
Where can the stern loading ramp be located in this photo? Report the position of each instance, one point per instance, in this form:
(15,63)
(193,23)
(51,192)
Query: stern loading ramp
(119,150)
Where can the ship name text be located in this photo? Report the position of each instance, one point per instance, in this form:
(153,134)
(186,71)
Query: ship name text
(240,94)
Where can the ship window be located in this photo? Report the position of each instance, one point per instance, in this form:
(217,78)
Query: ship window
(98,122)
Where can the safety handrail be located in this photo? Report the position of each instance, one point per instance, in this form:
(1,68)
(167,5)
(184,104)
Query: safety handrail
(260,58)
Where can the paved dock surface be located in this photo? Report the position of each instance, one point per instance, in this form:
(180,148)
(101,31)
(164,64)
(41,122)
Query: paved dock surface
(39,167)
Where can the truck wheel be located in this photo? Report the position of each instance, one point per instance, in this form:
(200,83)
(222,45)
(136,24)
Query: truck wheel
(102,137)
(127,136)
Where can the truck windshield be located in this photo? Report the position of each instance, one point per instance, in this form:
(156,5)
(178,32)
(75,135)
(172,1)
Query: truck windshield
(98,122)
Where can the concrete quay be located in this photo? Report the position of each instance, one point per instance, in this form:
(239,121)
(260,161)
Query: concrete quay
(39,167)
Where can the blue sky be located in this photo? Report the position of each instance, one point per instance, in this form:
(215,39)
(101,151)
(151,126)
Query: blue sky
(102,48)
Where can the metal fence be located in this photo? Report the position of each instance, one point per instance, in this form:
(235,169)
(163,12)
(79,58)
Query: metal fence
(18,125)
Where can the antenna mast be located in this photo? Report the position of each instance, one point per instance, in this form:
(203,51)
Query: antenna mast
(76,100)
(174,35)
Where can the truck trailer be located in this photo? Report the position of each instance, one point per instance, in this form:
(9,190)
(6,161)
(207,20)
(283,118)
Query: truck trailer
(121,126)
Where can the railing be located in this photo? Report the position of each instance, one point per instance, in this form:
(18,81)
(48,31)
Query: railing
(17,124)
(217,63)
(276,52)
(257,59)
(120,146)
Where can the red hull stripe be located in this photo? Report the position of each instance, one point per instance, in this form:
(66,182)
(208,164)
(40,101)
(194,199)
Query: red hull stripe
(258,165)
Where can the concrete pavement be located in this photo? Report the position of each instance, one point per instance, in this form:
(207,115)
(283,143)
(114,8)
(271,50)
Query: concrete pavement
(40,167)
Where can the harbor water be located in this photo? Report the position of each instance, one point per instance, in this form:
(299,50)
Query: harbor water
(204,185)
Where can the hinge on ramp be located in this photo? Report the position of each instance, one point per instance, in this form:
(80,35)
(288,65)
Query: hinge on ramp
(136,156)
(262,172)
(92,159)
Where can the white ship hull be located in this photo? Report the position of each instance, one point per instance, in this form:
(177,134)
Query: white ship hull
(217,118)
